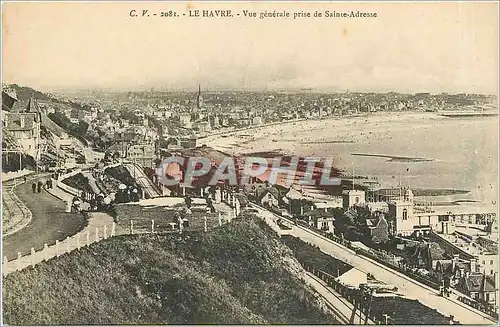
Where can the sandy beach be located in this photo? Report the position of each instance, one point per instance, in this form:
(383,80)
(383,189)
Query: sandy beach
(308,133)
(414,149)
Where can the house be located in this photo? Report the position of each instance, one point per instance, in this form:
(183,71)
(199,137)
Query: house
(242,199)
(352,198)
(321,219)
(452,269)
(479,287)
(202,126)
(257,120)
(185,120)
(24,127)
(268,196)
(378,228)
(427,255)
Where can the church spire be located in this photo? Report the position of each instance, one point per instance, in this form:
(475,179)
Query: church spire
(199,98)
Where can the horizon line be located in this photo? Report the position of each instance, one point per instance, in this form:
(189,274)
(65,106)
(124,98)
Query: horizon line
(323,90)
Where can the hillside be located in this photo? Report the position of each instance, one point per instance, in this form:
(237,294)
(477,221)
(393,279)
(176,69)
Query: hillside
(23,94)
(238,274)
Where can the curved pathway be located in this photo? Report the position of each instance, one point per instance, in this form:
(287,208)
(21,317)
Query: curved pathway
(50,222)
(100,227)
(15,215)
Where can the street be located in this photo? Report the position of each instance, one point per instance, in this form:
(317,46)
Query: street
(412,289)
(49,223)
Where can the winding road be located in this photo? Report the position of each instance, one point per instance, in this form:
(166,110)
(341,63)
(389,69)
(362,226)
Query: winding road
(49,222)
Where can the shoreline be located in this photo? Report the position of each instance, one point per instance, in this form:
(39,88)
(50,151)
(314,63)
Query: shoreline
(232,141)
(370,136)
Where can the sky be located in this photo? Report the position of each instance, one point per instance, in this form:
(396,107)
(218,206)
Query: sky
(409,47)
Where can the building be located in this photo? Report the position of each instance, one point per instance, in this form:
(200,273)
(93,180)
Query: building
(378,228)
(9,99)
(185,120)
(401,217)
(25,127)
(268,196)
(351,198)
(141,153)
(479,287)
(484,259)
(257,121)
(321,219)
(203,126)
(199,98)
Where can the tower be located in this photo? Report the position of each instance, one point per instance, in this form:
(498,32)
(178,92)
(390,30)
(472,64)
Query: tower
(352,197)
(401,214)
(199,98)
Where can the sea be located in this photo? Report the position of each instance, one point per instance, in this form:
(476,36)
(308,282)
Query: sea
(436,153)
(419,152)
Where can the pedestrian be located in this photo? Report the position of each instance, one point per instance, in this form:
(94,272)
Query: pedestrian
(33,187)
(40,184)
(47,184)
(210,205)
(24,178)
(188,202)
(69,205)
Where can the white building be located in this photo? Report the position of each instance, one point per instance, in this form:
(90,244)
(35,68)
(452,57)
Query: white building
(353,197)
(257,120)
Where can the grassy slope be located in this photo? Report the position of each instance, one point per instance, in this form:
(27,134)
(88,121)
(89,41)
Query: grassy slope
(239,274)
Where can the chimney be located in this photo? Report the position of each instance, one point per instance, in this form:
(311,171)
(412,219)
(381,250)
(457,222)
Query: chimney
(473,265)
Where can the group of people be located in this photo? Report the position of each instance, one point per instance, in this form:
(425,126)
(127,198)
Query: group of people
(36,187)
(129,194)
(91,202)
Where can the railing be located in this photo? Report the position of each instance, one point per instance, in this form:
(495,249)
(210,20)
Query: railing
(69,189)
(377,256)
(79,240)
(350,294)
(488,309)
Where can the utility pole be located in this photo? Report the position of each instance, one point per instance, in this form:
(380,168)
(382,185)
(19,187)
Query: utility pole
(353,176)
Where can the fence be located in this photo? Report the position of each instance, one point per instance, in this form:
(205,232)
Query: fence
(84,238)
(162,226)
(488,309)
(352,295)
(380,257)
(95,232)
(68,189)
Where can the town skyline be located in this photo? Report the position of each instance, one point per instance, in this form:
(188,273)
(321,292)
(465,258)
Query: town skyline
(118,52)
(212,89)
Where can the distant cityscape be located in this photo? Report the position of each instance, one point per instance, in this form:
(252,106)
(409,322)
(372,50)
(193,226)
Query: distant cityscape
(117,121)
